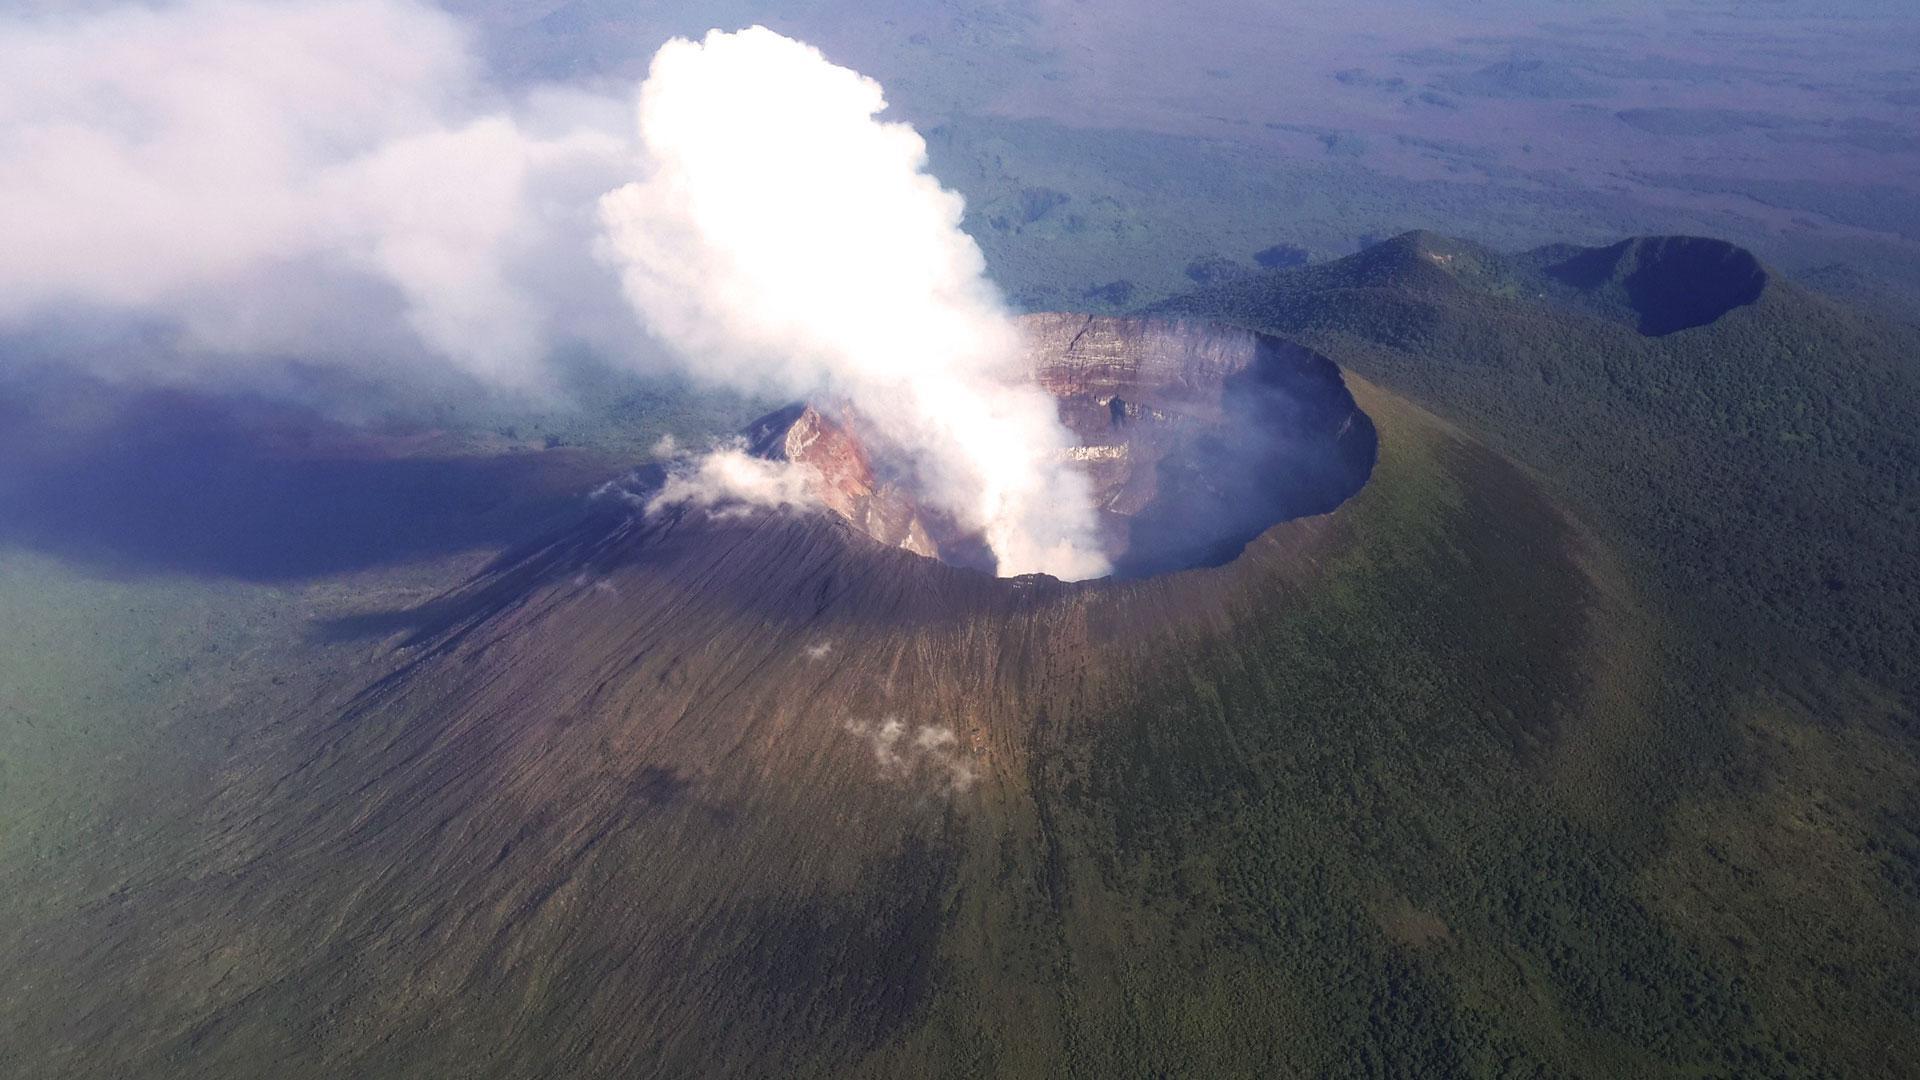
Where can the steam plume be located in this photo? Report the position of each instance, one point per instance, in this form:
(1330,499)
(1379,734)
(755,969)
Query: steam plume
(337,181)
(784,238)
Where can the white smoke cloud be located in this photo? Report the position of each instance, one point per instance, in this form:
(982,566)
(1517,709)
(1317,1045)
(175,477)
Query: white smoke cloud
(729,482)
(784,238)
(322,179)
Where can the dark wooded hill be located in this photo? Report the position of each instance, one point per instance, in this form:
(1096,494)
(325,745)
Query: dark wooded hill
(1750,439)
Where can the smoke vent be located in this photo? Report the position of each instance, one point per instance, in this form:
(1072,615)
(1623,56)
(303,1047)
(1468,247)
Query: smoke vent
(1197,438)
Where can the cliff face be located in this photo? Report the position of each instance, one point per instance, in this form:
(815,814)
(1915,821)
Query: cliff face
(1197,438)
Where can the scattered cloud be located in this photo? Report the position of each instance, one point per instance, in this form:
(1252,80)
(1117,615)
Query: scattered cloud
(928,754)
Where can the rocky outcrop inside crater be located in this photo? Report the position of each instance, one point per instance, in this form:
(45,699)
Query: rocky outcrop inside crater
(847,485)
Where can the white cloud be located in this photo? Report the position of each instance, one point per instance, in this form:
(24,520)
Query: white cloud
(928,755)
(325,179)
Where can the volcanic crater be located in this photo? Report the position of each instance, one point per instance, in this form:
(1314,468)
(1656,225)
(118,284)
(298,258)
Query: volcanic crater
(1197,438)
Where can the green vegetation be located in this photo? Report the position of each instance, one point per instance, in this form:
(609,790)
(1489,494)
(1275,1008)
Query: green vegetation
(1140,207)
(1349,801)
(1761,467)
(1881,208)
(1726,883)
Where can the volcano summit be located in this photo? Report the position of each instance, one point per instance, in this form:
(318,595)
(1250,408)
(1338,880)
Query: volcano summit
(1196,437)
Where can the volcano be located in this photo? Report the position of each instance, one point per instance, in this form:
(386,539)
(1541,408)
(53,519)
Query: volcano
(1355,766)
(692,766)
(1197,438)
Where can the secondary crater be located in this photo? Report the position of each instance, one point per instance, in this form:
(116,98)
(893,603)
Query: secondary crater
(1197,438)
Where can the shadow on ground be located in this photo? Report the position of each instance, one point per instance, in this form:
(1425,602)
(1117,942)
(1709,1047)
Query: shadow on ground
(166,482)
